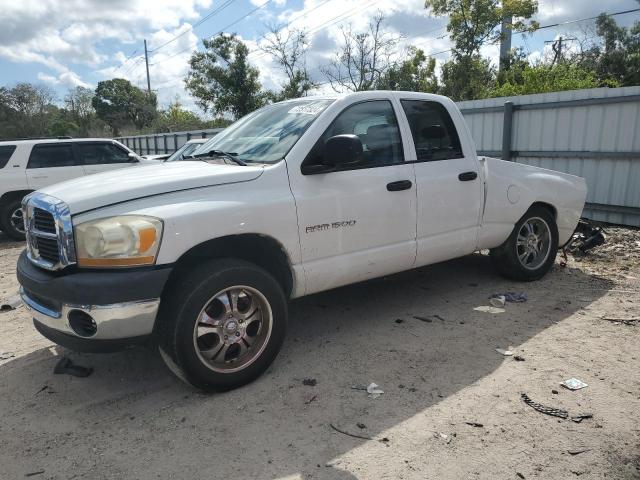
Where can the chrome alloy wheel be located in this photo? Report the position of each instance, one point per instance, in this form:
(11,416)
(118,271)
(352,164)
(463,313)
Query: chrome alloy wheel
(233,329)
(17,220)
(533,244)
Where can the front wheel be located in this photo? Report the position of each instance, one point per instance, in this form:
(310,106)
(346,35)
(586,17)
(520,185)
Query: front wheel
(531,249)
(12,220)
(222,324)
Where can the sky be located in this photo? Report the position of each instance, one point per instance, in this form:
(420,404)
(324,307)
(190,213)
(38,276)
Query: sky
(66,43)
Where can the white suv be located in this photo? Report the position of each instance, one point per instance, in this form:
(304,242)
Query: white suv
(28,165)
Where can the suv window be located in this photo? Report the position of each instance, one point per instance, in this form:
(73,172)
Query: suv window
(375,123)
(52,155)
(5,154)
(101,153)
(434,133)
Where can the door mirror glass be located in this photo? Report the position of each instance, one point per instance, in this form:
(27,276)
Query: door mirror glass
(343,150)
(133,158)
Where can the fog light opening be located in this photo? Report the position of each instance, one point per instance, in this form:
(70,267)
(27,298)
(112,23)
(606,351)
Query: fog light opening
(82,323)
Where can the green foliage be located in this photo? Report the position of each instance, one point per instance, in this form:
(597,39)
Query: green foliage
(545,78)
(466,78)
(473,23)
(120,104)
(26,110)
(222,80)
(176,119)
(414,74)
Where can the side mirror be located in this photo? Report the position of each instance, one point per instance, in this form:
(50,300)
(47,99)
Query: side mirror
(133,158)
(343,150)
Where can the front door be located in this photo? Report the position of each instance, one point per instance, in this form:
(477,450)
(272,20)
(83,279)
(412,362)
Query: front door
(448,184)
(102,156)
(358,222)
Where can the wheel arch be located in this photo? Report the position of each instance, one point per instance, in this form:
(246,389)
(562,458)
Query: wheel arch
(262,250)
(552,210)
(13,195)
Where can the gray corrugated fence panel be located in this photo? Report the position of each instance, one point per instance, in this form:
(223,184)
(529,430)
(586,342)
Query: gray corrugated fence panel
(592,133)
(160,143)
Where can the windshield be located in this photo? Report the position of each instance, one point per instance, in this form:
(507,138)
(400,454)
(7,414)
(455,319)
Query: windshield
(183,151)
(266,135)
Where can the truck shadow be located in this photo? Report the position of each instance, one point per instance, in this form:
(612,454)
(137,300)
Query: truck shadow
(132,419)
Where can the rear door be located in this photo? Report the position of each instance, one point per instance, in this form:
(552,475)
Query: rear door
(448,184)
(51,163)
(102,156)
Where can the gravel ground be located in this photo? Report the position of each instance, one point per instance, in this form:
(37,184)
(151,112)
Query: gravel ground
(451,407)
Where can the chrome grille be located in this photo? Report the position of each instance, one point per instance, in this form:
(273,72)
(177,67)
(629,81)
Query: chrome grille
(49,231)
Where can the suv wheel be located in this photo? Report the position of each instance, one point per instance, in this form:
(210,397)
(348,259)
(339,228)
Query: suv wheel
(222,324)
(12,221)
(531,249)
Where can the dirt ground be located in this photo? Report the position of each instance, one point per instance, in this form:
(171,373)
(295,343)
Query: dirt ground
(131,419)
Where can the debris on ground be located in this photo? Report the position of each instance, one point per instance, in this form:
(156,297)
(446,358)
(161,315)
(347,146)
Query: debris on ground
(586,236)
(475,424)
(578,451)
(32,474)
(518,358)
(399,320)
(626,321)
(555,412)
(354,435)
(443,436)
(513,297)
(502,351)
(374,390)
(580,418)
(66,366)
(489,309)
(310,382)
(6,355)
(423,319)
(555,392)
(311,399)
(361,425)
(497,301)
(11,304)
(573,384)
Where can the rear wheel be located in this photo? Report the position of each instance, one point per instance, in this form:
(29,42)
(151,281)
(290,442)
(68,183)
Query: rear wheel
(223,324)
(12,221)
(531,249)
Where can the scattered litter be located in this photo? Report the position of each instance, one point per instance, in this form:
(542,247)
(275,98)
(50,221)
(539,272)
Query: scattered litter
(573,384)
(627,321)
(578,451)
(423,319)
(519,475)
(361,426)
(513,297)
(355,435)
(506,353)
(585,237)
(310,382)
(65,365)
(584,416)
(435,315)
(497,301)
(11,304)
(518,358)
(39,472)
(555,412)
(6,355)
(399,320)
(475,424)
(489,309)
(312,399)
(41,390)
(374,390)
(358,387)
(555,392)
(443,436)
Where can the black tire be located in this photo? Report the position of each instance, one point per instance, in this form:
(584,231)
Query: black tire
(7,215)
(182,305)
(506,257)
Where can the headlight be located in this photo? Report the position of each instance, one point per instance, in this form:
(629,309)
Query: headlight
(125,241)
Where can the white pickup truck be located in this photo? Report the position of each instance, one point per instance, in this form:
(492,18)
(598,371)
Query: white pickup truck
(199,257)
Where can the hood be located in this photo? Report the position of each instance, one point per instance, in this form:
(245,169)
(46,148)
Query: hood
(103,189)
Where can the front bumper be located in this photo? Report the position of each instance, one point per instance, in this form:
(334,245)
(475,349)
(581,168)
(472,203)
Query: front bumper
(92,311)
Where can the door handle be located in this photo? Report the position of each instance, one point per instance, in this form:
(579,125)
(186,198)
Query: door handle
(467,176)
(399,185)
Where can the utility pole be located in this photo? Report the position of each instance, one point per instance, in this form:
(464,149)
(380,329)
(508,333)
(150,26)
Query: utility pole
(556,46)
(146,61)
(505,42)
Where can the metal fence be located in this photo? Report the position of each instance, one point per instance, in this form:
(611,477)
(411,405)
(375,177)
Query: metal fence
(592,133)
(159,143)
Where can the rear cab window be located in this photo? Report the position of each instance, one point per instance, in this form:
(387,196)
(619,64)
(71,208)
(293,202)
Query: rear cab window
(52,155)
(434,133)
(6,151)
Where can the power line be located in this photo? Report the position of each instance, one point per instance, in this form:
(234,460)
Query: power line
(126,60)
(198,23)
(624,12)
(259,7)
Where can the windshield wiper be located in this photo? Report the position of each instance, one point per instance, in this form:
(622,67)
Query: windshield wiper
(220,153)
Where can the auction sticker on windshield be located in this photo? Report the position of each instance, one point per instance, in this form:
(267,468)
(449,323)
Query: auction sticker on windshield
(309,108)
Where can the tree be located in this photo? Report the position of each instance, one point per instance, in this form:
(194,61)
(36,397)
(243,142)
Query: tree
(120,104)
(466,78)
(176,119)
(221,79)
(415,74)
(288,49)
(363,58)
(473,23)
(26,110)
(78,103)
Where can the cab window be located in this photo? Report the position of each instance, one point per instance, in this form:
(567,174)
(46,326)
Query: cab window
(101,153)
(375,123)
(52,155)
(434,134)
